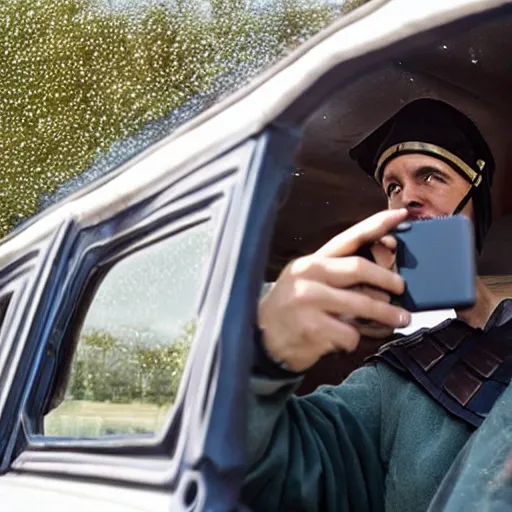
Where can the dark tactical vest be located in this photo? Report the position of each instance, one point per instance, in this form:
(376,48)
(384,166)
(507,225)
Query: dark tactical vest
(463,369)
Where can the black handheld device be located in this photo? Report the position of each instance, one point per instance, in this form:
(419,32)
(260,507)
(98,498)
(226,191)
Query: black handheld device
(436,258)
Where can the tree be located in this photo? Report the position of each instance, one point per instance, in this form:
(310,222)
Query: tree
(106,368)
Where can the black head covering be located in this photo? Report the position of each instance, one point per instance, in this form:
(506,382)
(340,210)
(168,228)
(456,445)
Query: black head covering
(434,128)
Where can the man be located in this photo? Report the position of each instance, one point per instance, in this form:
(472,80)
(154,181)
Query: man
(386,437)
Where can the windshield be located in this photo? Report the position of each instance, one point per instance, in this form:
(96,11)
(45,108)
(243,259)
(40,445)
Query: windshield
(86,84)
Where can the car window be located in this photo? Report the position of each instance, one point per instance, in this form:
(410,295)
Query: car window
(88,84)
(134,342)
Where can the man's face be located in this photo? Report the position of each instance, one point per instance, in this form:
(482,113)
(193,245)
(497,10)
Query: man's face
(424,185)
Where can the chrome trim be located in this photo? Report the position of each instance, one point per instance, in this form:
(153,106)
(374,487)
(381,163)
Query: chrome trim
(431,149)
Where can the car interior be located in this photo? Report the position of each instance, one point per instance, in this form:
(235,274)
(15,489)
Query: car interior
(329,193)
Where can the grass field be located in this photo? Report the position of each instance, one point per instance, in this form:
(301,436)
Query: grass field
(91,419)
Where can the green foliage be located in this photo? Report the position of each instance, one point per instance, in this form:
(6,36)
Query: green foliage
(106,369)
(81,418)
(76,78)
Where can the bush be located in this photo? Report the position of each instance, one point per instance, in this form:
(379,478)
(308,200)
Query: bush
(106,369)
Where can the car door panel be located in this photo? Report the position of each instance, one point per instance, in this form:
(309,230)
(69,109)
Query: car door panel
(205,431)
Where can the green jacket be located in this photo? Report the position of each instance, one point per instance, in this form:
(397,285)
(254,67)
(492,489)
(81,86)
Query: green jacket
(375,442)
(480,479)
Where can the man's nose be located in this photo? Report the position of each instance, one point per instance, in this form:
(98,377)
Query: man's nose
(410,198)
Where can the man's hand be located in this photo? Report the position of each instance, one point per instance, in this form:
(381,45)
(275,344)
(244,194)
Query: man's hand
(314,306)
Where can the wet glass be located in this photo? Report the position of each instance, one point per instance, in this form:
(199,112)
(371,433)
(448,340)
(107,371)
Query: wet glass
(86,84)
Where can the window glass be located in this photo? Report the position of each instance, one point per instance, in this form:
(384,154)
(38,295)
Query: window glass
(135,340)
(86,84)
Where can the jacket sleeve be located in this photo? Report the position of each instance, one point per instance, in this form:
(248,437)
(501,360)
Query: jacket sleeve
(320,452)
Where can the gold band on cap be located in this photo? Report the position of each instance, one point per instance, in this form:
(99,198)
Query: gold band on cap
(423,147)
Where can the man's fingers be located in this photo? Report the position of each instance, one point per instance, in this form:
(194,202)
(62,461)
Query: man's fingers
(383,256)
(355,305)
(389,242)
(374,293)
(367,231)
(354,270)
(338,335)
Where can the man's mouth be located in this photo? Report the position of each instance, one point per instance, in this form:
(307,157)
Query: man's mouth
(417,216)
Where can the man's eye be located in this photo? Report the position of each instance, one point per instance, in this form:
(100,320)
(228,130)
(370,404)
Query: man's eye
(392,189)
(429,178)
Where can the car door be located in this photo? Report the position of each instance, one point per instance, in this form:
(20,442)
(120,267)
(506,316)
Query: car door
(117,385)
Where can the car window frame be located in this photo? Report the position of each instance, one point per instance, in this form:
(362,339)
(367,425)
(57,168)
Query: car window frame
(101,269)
(152,225)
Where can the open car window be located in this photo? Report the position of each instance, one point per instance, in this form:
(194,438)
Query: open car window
(457,68)
(143,318)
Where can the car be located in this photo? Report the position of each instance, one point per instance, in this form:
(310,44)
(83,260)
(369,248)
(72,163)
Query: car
(127,308)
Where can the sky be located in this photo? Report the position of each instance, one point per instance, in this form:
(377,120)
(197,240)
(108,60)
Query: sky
(154,291)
